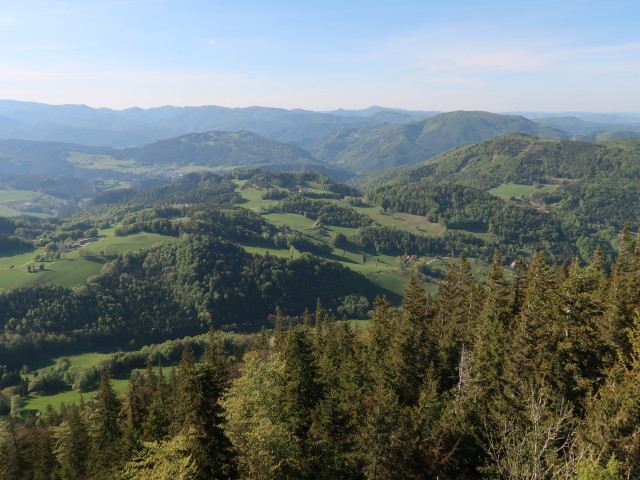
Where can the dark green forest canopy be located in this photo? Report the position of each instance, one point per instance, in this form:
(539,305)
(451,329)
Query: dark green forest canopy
(465,208)
(383,146)
(520,158)
(183,288)
(493,379)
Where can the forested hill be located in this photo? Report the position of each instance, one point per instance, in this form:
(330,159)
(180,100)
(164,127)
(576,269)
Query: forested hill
(185,287)
(24,157)
(518,158)
(215,149)
(591,189)
(385,146)
(191,188)
(211,188)
(220,150)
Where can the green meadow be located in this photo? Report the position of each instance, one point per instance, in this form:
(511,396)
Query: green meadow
(508,191)
(75,266)
(40,402)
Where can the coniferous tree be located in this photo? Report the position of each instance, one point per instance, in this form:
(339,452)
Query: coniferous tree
(302,388)
(13,462)
(458,307)
(73,446)
(38,448)
(584,354)
(202,387)
(533,356)
(611,426)
(158,420)
(108,447)
(489,337)
(380,332)
(333,432)
(386,436)
(413,350)
(256,424)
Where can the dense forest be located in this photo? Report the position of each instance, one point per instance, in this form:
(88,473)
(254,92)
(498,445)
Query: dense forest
(532,377)
(465,208)
(175,289)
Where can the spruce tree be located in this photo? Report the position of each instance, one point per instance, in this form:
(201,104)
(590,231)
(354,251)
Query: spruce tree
(13,463)
(202,387)
(458,307)
(413,349)
(73,445)
(108,448)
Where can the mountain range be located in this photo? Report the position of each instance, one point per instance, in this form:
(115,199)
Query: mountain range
(136,126)
(341,143)
(384,146)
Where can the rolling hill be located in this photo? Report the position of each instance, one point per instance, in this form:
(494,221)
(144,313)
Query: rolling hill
(519,158)
(593,184)
(384,146)
(578,126)
(210,150)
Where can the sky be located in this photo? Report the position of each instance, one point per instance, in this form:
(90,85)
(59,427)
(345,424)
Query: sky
(499,56)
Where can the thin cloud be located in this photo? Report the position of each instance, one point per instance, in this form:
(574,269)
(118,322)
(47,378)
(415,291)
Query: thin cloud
(457,80)
(529,61)
(73,71)
(608,48)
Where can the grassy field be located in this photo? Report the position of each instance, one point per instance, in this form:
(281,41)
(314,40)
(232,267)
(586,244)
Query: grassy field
(9,195)
(17,195)
(40,402)
(357,324)
(8,212)
(278,252)
(383,270)
(507,191)
(106,162)
(253,198)
(76,266)
(84,360)
(297,222)
(403,221)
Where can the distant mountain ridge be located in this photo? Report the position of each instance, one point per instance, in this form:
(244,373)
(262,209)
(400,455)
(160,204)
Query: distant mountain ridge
(136,126)
(384,146)
(218,150)
(349,150)
(334,150)
(215,149)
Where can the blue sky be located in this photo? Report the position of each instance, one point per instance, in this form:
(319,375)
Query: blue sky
(554,56)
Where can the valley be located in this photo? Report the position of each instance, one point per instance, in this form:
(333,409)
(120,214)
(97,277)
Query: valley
(145,274)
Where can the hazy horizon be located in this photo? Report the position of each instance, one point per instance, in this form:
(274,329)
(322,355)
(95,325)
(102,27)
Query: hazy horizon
(497,56)
(385,107)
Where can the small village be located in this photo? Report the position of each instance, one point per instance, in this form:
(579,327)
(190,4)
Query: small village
(78,244)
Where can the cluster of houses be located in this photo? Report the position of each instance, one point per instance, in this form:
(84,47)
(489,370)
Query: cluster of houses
(79,243)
